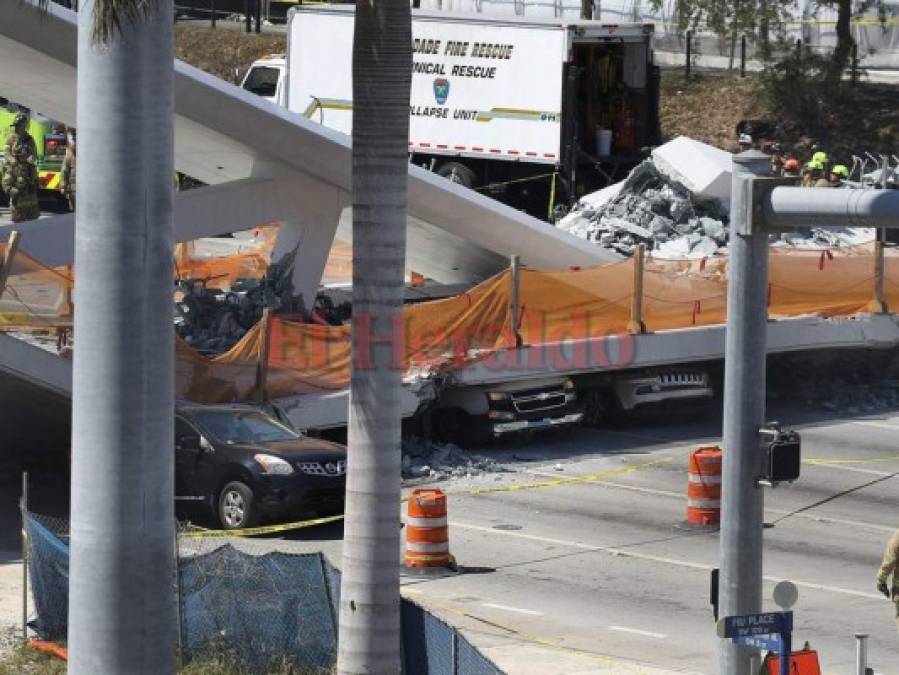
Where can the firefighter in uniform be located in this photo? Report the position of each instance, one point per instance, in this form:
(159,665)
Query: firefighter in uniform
(888,571)
(18,176)
(67,182)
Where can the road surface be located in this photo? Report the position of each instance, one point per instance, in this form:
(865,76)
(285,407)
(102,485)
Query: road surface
(594,576)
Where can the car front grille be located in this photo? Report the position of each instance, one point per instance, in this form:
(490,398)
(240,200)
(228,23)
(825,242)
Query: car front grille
(534,401)
(678,380)
(330,468)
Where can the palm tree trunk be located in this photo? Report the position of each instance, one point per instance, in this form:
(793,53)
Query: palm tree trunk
(840,57)
(369,597)
(122,615)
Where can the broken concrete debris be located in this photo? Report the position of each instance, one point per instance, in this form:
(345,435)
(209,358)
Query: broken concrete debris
(423,458)
(817,237)
(212,320)
(653,209)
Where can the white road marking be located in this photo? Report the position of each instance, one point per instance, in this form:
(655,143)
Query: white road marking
(823,463)
(782,512)
(517,610)
(655,558)
(637,631)
(878,425)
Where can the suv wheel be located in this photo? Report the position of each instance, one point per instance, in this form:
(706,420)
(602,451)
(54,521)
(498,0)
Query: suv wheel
(236,508)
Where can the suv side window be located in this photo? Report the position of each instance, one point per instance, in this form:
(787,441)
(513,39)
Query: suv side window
(183,430)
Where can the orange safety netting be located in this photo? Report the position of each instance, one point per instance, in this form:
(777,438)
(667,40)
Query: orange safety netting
(554,306)
(35,294)
(306,358)
(223,271)
(253,261)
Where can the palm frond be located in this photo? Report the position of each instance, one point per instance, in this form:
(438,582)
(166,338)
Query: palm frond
(111,15)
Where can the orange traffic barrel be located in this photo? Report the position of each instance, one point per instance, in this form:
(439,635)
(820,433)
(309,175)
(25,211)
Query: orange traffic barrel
(803,662)
(427,534)
(704,487)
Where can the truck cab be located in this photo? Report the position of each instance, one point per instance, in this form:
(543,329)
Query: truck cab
(266,77)
(472,415)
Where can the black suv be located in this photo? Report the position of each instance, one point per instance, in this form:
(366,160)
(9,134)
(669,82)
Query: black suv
(239,464)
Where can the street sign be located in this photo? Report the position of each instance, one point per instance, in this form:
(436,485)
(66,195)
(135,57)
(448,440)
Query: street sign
(771,643)
(771,631)
(750,625)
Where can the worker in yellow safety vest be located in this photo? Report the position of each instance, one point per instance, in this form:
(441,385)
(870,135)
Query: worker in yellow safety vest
(888,572)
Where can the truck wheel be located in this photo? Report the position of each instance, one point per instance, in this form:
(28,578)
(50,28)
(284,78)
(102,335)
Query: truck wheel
(236,507)
(458,173)
(601,408)
(453,425)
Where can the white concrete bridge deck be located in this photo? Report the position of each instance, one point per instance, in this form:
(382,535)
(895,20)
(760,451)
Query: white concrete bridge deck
(266,164)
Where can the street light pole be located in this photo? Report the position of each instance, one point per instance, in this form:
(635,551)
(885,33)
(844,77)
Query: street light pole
(740,587)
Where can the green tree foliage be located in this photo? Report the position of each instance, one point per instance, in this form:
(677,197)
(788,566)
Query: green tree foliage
(839,59)
(758,19)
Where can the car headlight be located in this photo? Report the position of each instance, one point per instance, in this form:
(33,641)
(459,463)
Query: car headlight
(497,395)
(568,383)
(273,465)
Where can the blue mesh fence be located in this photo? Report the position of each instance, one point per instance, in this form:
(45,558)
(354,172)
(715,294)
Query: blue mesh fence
(430,646)
(265,607)
(49,552)
(257,607)
(422,628)
(471,662)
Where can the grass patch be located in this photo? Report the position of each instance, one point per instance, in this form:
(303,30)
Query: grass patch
(847,120)
(225,661)
(19,660)
(225,52)
(707,108)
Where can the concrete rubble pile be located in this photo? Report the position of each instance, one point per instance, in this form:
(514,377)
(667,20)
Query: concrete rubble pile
(212,320)
(676,203)
(819,237)
(653,209)
(423,458)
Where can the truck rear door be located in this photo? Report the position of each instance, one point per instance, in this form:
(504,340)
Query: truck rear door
(612,93)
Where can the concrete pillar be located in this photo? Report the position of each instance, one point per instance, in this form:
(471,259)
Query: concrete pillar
(740,587)
(310,233)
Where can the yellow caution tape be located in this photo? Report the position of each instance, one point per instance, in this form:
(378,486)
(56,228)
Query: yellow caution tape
(586,478)
(869,460)
(862,21)
(203,533)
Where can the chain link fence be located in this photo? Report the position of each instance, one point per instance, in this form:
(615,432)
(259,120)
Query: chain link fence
(248,602)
